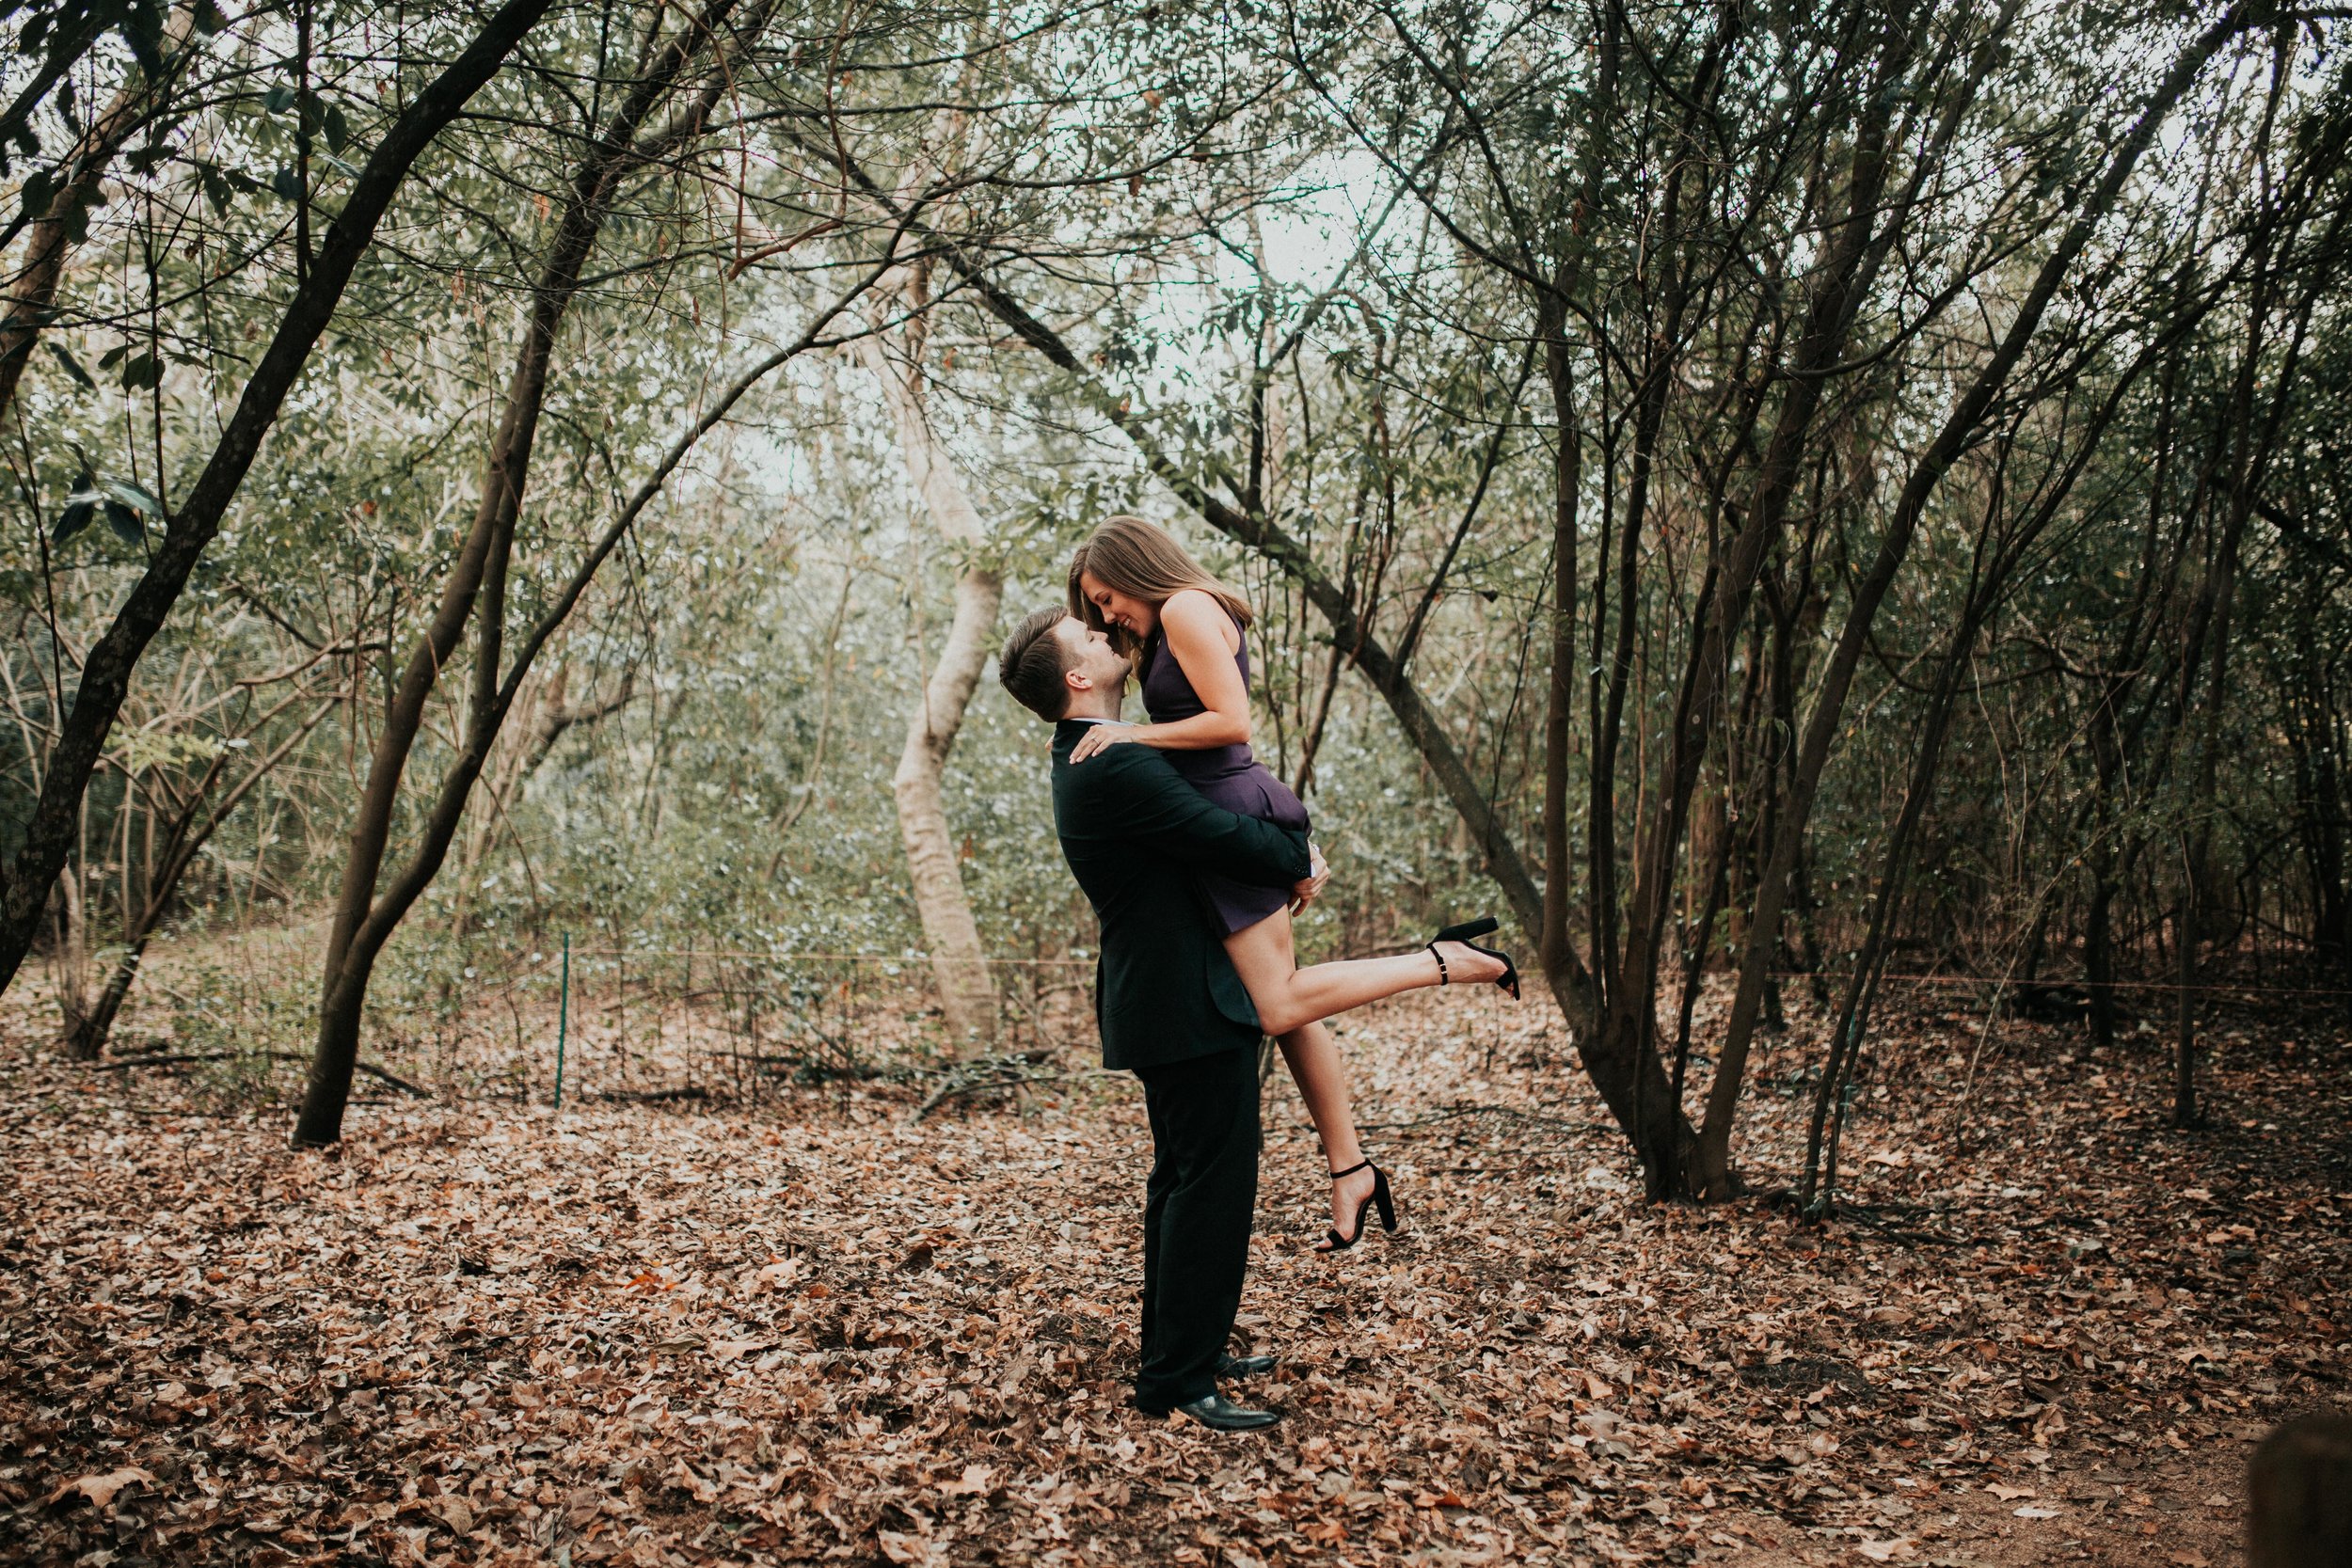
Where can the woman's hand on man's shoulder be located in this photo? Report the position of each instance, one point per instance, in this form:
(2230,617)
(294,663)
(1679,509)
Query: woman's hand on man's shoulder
(1102,737)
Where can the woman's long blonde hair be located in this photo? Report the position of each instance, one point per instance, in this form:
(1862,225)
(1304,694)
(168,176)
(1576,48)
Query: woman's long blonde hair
(1142,560)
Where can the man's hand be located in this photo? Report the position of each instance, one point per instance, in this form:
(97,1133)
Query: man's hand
(1101,737)
(1304,893)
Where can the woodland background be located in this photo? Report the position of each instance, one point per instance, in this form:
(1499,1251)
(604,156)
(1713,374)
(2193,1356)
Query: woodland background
(1829,519)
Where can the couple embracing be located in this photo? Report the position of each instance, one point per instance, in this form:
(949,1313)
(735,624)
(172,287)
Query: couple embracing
(1194,856)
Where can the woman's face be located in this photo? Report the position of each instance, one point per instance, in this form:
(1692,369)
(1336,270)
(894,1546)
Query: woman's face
(1139,616)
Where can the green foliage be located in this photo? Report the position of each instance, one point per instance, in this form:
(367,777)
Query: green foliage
(1305,276)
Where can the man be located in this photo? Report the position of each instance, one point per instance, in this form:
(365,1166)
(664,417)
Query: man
(1170,1007)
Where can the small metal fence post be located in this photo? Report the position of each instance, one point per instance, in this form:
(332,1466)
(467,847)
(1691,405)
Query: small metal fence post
(562,1019)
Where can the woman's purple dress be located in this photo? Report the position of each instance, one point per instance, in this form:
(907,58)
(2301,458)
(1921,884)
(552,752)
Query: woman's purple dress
(1231,776)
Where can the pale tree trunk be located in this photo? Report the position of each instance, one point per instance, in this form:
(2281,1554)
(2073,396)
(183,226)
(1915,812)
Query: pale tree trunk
(34,288)
(73,962)
(958,962)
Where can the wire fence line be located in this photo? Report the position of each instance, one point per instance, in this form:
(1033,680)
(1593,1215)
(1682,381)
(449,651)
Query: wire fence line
(546,1019)
(613,1020)
(2172,988)
(688,1023)
(908,960)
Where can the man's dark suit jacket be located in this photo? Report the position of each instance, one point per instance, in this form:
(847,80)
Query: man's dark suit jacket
(1133,832)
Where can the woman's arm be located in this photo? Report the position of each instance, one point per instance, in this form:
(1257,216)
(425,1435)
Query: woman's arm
(1196,627)
(1134,799)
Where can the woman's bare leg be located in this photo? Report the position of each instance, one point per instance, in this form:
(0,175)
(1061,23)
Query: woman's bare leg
(1292,1002)
(1289,997)
(1314,1058)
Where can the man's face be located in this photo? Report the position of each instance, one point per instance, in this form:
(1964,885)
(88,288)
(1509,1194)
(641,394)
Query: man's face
(1089,655)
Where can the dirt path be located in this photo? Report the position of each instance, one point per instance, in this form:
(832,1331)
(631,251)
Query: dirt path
(814,1330)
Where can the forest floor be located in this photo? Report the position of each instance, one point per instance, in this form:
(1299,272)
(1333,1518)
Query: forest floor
(814,1328)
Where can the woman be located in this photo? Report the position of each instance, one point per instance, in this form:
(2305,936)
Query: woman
(1183,631)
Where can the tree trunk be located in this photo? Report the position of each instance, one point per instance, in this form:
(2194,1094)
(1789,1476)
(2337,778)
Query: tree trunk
(106,671)
(493,700)
(361,925)
(958,962)
(71,960)
(1862,237)
(2250,460)
(2099,949)
(2309,717)
(548,716)
(2185,1111)
(2299,1495)
(50,235)
(1853,1019)
(1614,1034)
(90,1022)
(1870,591)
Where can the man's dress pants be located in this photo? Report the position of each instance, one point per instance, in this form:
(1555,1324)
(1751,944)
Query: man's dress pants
(1196,1219)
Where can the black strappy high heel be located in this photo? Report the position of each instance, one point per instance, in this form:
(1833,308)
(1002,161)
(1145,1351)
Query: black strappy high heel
(1380,1195)
(1509,980)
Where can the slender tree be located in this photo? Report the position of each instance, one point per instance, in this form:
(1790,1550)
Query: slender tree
(191,525)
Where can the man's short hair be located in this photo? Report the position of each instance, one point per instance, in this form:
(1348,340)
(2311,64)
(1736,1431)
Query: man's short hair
(1032,665)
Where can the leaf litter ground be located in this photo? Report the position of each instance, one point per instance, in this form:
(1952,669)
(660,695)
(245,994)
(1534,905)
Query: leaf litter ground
(812,1329)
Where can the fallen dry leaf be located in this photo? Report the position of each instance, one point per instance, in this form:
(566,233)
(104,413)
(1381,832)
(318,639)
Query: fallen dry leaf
(974,1482)
(697,1328)
(101,1490)
(910,1551)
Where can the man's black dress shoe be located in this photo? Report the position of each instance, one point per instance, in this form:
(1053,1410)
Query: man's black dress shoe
(1223,1415)
(1245,1366)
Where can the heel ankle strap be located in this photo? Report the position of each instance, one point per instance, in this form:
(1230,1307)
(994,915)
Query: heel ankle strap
(1443,978)
(1362,1164)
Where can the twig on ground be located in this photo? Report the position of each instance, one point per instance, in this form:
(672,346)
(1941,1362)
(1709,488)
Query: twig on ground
(1003,1080)
(1458,1112)
(123,1063)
